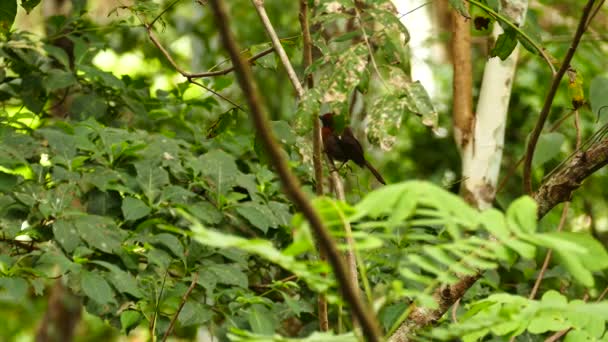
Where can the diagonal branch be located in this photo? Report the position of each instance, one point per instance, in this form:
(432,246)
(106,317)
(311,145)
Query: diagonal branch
(259,7)
(316,144)
(544,114)
(290,183)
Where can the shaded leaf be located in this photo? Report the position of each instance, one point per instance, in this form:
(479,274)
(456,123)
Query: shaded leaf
(96,287)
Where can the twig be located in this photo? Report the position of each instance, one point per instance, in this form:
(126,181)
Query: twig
(541,274)
(181,306)
(455,310)
(290,183)
(577,126)
(259,7)
(369,47)
(155,314)
(216,94)
(551,95)
(163,12)
(316,145)
(187,74)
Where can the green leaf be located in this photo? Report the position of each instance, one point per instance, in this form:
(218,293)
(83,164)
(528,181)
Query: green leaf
(129,320)
(67,234)
(205,212)
(29,5)
(228,274)
(171,242)
(549,147)
(152,178)
(220,167)
(194,313)
(593,254)
(420,103)
(521,215)
(262,248)
(13,289)
(505,44)
(88,106)
(261,320)
(8,11)
(96,287)
(123,281)
(283,132)
(58,54)
(64,144)
(58,79)
(257,214)
(134,209)
(7,181)
(99,232)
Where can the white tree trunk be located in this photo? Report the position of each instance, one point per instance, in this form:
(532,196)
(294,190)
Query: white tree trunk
(423,52)
(481,157)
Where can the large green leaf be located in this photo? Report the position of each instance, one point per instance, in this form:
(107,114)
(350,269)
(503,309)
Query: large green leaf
(96,287)
(8,11)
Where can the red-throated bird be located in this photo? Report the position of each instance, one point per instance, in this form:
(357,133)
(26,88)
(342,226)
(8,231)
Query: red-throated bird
(344,147)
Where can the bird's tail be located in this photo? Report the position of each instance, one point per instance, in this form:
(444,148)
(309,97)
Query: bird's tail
(375,172)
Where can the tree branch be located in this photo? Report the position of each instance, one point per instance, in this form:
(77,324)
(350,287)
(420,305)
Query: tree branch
(463,80)
(290,183)
(560,185)
(181,306)
(544,114)
(316,144)
(259,7)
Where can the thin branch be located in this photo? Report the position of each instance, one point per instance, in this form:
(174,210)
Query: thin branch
(369,47)
(259,7)
(316,144)
(163,12)
(290,183)
(181,306)
(541,274)
(187,74)
(544,114)
(216,94)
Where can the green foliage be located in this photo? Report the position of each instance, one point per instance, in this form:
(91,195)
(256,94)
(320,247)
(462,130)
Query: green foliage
(509,315)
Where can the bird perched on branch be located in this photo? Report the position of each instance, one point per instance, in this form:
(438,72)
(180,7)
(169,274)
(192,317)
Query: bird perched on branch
(344,147)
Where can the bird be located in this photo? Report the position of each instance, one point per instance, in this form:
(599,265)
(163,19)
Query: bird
(344,147)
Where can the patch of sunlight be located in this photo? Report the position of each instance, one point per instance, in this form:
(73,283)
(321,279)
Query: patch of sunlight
(126,64)
(19,119)
(183,47)
(194,92)
(24,171)
(133,64)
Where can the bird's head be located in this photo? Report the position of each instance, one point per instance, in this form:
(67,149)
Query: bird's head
(327,119)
